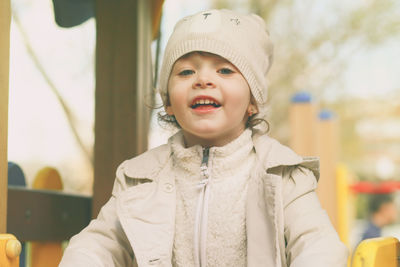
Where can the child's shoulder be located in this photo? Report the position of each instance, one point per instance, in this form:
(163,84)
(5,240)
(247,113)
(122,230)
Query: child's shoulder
(146,165)
(273,154)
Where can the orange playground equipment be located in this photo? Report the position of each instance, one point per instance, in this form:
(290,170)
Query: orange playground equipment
(10,248)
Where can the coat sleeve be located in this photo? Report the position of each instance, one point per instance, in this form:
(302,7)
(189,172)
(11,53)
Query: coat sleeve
(103,242)
(310,237)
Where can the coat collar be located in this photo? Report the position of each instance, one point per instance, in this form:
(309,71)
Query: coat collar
(149,164)
(273,154)
(269,151)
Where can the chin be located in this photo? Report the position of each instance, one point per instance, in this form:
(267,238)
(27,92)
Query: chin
(207,133)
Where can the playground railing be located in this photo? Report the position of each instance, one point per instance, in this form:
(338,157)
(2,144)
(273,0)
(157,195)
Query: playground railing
(44,215)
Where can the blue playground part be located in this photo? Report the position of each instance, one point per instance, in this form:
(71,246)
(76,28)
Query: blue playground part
(326,114)
(16,177)
(301,97)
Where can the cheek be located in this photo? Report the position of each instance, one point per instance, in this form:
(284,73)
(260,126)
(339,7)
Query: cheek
(239,100)
(171,94)
(177,91)
(176,100)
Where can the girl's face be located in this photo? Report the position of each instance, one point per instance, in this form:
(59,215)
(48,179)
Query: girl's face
(209,98)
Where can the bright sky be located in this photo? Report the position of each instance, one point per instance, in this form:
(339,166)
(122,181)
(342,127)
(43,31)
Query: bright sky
(38,132)
(375,72)
(39,135)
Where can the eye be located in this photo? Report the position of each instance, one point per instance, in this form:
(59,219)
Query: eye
(225,71)
(185,72)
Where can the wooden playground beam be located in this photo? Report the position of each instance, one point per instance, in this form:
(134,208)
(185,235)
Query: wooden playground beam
(5,20)
(123,82)
(302,114)
(312,136)
(328,152)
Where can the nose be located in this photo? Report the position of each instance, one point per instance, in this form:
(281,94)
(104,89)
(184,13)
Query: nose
(203,81)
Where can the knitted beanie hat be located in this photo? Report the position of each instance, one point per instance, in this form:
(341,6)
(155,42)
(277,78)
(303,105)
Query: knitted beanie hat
(241,39)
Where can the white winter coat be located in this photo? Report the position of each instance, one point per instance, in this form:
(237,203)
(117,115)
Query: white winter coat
(285,223)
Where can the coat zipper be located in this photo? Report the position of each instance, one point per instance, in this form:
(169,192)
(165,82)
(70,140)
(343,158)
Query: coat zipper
(200,227)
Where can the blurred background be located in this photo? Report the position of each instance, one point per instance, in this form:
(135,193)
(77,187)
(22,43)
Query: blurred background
(343,55)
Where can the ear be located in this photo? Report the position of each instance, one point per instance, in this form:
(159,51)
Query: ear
(169,110)
(252,109)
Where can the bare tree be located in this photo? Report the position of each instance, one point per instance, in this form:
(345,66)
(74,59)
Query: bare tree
(69,116)
(313,42)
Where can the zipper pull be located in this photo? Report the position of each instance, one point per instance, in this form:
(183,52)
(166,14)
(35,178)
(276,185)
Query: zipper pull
(206,153)
(204,163)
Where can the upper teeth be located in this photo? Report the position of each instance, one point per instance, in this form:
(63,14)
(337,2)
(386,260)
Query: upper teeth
(204,101)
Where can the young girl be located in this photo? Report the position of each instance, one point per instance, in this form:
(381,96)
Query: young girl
(220,192)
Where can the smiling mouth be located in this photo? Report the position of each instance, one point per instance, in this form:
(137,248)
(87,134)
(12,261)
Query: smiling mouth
(203,103)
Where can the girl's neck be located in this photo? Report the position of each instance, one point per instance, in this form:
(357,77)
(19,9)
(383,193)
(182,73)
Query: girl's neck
(192,140)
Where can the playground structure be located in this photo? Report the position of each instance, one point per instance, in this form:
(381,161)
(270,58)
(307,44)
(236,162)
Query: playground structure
(377,252)
(316,134)
(125,30)
(319,135)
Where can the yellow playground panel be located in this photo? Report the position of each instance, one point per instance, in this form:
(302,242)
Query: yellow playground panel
(46,254)
(377,252)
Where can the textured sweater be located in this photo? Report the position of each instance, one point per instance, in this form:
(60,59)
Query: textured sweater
(229,170)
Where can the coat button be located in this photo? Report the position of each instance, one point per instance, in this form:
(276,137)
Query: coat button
(168,187)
